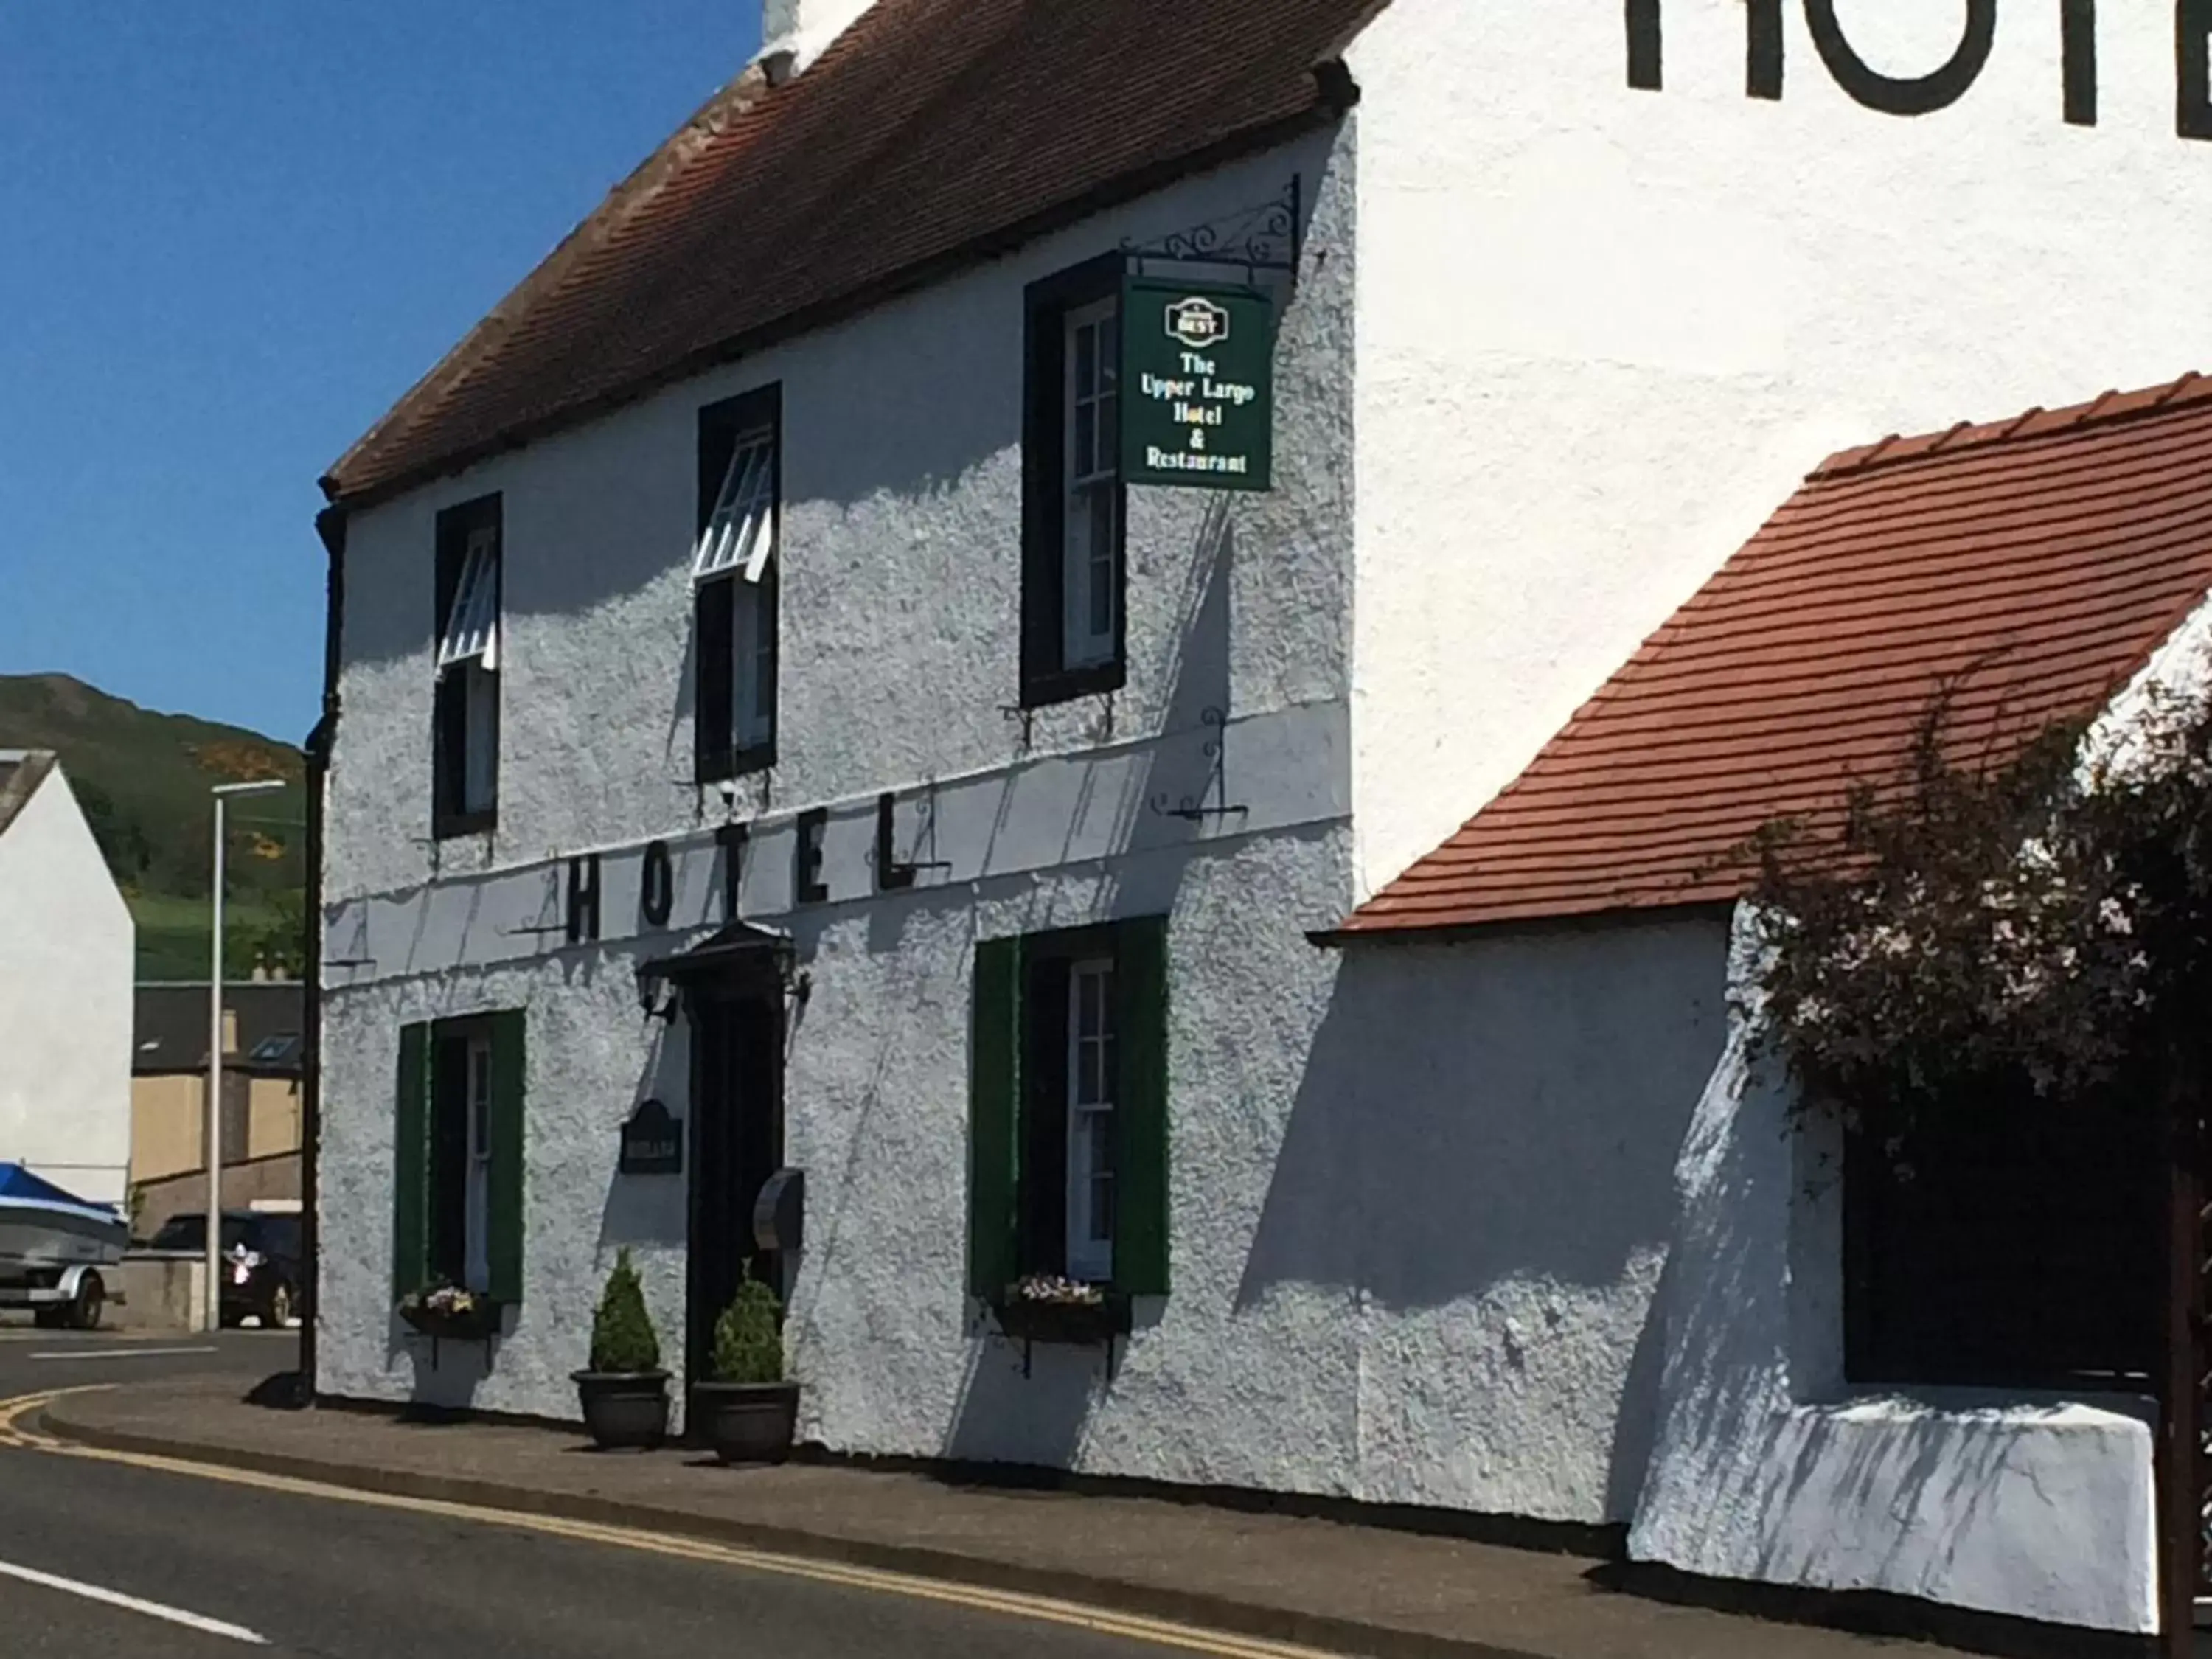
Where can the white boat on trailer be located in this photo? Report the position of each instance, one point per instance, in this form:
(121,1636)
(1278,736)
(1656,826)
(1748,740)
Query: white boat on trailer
(57,1251)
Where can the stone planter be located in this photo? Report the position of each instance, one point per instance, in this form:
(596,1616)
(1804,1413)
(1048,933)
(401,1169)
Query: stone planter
(746,1422)
(625,1410)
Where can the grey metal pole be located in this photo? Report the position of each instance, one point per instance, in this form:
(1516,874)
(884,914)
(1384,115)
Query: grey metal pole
(211,1311)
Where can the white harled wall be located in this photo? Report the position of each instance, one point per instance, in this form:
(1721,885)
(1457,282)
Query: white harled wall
(900,573)
(1766,1465)
(1421,1198)
(1604,331)
(66,948)
(1441,1230)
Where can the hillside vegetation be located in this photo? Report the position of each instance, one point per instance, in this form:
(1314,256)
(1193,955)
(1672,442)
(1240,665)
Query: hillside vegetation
(142,780)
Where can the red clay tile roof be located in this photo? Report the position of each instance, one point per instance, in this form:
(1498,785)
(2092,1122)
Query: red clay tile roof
(2043,559)
(932,130)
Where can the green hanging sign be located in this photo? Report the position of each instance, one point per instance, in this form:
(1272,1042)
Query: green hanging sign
(1198,386)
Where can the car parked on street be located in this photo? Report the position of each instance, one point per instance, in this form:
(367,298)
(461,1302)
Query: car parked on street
(262,1270)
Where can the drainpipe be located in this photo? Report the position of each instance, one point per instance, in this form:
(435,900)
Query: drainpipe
(331,524)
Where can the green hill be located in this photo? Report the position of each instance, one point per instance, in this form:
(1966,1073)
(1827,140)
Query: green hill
(143,779)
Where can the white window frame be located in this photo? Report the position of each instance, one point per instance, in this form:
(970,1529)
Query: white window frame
(752,674)
(1092,498)
(472,626)
(476,1103)
(1092,1071)
(740,534)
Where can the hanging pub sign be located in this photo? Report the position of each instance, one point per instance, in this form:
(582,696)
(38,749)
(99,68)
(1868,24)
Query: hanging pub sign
(1198,386)
(652,1142)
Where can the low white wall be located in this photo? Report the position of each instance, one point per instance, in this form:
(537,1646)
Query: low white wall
(1766,1467)
(1479,1166)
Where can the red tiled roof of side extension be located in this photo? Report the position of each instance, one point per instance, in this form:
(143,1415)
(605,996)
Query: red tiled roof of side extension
(2033,564)
(933,133)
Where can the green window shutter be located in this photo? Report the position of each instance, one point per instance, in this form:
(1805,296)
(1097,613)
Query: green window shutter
(994,1113)
(503,1211)
(1140,1114)
(410,1170)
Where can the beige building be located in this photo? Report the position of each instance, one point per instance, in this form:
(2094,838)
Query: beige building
(261,1124)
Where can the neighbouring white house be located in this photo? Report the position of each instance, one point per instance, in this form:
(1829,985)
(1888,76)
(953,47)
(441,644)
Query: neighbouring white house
(67,946)
(904,641)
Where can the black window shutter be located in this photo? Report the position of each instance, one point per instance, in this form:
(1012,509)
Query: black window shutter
(1141,1114)
(410,1175)
(448,1184)
(1043,1240)
(505,1217)
(1044,467)
(993,1114)
(714,739)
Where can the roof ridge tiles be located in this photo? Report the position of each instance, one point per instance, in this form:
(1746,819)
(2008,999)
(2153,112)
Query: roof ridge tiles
(2109,407)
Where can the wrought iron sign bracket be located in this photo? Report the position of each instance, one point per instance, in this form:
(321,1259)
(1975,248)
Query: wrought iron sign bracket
(1270,236)
(1210,805)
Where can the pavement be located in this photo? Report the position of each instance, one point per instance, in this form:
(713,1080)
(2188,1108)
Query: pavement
(117,1558)
(1259,1578)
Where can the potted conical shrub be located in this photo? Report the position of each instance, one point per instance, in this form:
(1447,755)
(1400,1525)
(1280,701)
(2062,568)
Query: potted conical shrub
(748,1412)
(625,1392)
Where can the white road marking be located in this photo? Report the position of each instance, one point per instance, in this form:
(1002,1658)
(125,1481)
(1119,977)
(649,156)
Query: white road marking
(132,1604)
(120,1353)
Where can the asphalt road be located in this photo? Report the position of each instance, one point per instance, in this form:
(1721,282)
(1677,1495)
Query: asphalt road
(303,1574)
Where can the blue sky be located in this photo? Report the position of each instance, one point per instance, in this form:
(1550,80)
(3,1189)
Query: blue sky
(232,232)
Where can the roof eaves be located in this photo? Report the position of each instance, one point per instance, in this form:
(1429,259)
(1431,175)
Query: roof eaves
(740,96)
(997,244)
(1452,932)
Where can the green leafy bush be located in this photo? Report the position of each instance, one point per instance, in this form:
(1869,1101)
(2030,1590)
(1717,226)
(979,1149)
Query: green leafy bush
(748,1336)
(624,1341)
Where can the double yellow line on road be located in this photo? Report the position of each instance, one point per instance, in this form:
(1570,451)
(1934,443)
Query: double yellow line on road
(12,1412)
(1219,1644)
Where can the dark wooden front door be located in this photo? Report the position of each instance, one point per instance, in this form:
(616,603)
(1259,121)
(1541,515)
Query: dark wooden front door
(737,1143)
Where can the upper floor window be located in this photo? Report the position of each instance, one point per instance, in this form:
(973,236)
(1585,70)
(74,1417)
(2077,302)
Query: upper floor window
(1073,495)
(735,581)
(464,791)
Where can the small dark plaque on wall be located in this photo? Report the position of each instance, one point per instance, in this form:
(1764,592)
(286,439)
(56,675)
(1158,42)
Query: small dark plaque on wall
(652,1141)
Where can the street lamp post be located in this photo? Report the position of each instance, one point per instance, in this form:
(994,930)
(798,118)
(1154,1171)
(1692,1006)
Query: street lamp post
(211,1312)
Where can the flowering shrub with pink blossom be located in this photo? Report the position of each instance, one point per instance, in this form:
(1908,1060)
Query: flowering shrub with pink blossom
(2048,917)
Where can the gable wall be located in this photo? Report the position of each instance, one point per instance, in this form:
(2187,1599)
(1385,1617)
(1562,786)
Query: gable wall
(1603,331)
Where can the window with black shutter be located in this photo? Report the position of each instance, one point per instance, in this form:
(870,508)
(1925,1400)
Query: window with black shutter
(458,1174)
(1073,501)
(465,740)
(1068,1112)
(735,582)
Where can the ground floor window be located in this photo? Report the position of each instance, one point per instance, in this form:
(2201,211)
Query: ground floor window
(457,1189)
(2004,1239)
(1068,1131)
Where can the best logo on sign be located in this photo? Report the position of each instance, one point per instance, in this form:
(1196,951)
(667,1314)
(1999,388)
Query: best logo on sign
(1198,378)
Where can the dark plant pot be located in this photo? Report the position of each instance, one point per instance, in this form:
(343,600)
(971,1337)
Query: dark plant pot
(747,1422)
(625,1410)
